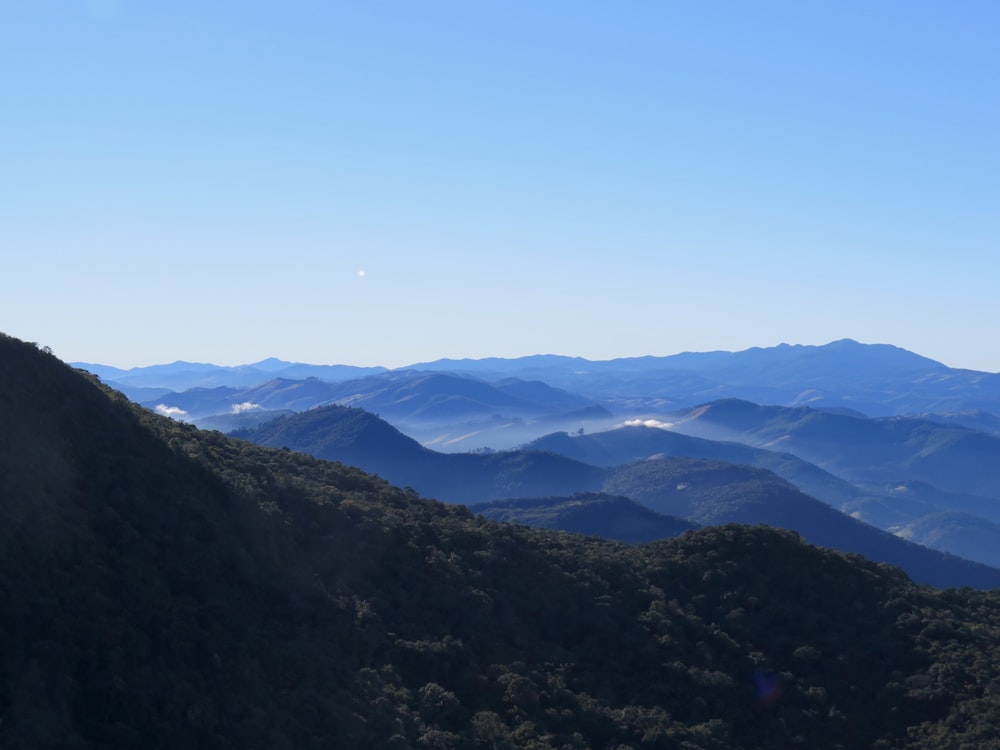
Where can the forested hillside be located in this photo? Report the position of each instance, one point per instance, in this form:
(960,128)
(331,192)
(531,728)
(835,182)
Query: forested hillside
(166,587)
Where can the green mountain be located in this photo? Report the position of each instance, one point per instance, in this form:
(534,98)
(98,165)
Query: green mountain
(165,587)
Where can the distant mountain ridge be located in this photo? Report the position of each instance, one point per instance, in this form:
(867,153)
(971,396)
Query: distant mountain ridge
(183,375)
(441,409)
(876,379)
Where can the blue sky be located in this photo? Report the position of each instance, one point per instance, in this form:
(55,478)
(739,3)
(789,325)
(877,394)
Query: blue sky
(391,182)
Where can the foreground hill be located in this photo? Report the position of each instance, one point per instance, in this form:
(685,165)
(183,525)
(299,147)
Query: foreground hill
(166,587)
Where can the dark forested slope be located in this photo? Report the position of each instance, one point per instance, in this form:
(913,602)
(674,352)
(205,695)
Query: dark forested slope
(164,587)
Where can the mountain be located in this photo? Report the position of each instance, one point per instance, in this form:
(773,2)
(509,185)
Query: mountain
(594,514)
(240,419)
(729,493)
(163,586)
(876,379)
(638,442)
(910,499)
(856,448)
(975,419)
(891,506)
(356,437)
(975,538)
(180,375)
(714,493)
(447,411)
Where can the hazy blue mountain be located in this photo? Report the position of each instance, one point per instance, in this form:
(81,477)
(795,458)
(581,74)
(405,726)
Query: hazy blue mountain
(410,395)
(179,376)
(889,506)
(858,449)
(241,420)
(593,514)
(140,394)
(975,419)
(104,372)
(432,396)
(896,503)
(712,493)
(726,493)
(196,402)
(638,442)
(876,379)
(359,438)
(448,412)
(959,533)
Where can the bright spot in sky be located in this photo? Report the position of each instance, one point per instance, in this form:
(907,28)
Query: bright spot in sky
(361,273)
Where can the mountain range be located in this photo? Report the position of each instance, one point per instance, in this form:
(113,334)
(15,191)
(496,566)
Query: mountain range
(874,379)
(895,472)
(698,491)
(166,586)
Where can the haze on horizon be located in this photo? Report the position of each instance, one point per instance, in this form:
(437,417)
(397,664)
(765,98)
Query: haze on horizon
(386,183)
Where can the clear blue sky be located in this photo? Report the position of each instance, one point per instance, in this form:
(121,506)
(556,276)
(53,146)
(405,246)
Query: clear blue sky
(389,182)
